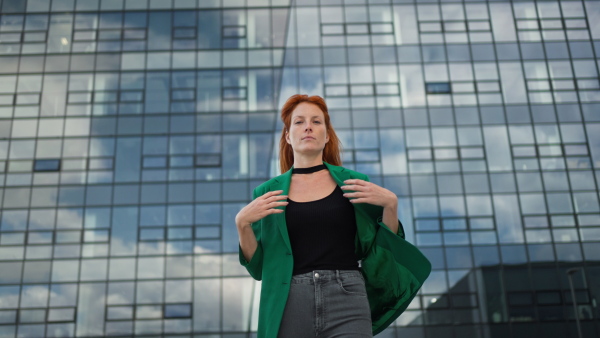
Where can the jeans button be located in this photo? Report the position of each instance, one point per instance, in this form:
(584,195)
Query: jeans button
(316,275)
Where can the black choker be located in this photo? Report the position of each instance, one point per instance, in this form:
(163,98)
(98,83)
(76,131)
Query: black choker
(309,170)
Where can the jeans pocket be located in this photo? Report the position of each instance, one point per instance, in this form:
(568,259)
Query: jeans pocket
(352,285)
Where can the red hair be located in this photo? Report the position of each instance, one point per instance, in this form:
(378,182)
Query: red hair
(332,150)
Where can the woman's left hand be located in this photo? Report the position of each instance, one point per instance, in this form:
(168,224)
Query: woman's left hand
(371,193)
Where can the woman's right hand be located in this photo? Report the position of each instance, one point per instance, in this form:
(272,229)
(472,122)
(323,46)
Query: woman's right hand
(261,207)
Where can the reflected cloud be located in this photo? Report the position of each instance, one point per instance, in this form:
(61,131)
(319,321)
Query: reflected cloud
(69,219)
(9,297)
(14,220)
(34,296)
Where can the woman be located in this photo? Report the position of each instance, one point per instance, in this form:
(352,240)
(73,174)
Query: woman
(306,230)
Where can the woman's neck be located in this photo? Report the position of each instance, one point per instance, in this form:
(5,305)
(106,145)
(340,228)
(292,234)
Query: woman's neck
(307,162)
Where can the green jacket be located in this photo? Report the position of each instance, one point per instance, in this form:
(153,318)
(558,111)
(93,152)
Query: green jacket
(394,270)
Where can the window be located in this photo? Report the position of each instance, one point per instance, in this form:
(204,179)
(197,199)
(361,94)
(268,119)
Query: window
(234,31)
(208,160)
(184,33)
(155,162)
(183,95)
(178,311)
(234,93)
(61,315)
(438,88)
(134,34)
(46,165)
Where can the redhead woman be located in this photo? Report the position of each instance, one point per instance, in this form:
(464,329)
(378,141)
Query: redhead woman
(326,243)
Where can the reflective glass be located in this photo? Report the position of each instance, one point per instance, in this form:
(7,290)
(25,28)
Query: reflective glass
(178,311)
(132,132)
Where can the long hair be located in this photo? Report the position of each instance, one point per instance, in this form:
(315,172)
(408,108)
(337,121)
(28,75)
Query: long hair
(333,148)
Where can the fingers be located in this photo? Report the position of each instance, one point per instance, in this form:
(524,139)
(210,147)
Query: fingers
(277,204)
(273,196)
(357,187)
(272,193)
(356,181)
(355,195)
(352,187)
(276,198)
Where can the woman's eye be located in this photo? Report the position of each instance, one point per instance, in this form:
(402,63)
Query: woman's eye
(298,122)
(318,122)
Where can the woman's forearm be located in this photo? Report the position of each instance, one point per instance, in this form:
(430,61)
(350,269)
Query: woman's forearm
(248,241)
(256,210)
(390,218)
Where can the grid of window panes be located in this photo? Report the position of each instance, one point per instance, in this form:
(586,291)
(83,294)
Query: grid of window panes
(482,118)
(132,131)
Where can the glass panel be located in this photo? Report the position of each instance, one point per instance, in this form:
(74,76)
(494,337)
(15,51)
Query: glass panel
(586,202)
(308,17)
(65,270)
(438,88)
(150,267)
(148,312)
(8,317)
(178,311)
(120,293)
(393,153)
(207,305)
(529,182)
(496,142)
(124,231)
(240,294)
(452,206)
(61,315)
(459,257)
(119,312)
(32,316)
(593,134)
(412,86)
(508,218)
(513,86)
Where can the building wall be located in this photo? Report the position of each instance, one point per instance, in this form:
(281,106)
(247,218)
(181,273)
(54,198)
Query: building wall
(133,131)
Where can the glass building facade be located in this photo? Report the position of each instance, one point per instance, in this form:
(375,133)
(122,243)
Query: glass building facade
(133,131)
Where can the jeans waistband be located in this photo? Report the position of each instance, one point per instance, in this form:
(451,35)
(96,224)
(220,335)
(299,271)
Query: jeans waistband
(324,275)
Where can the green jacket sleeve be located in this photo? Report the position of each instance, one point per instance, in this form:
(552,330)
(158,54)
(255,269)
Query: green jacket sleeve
(382,225)
(385,227)
(254,266)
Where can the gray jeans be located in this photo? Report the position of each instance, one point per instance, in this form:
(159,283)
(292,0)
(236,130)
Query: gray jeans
(327,303)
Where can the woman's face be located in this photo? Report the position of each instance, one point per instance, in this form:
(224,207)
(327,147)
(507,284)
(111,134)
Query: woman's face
(308,132)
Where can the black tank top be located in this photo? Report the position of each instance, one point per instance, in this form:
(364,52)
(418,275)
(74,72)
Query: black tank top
(322,233)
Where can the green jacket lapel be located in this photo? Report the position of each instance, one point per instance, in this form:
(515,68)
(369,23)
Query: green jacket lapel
(340,174)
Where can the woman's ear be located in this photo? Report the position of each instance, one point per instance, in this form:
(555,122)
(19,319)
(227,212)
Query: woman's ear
(287,137)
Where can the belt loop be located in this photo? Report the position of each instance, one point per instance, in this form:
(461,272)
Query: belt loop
(337,276)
